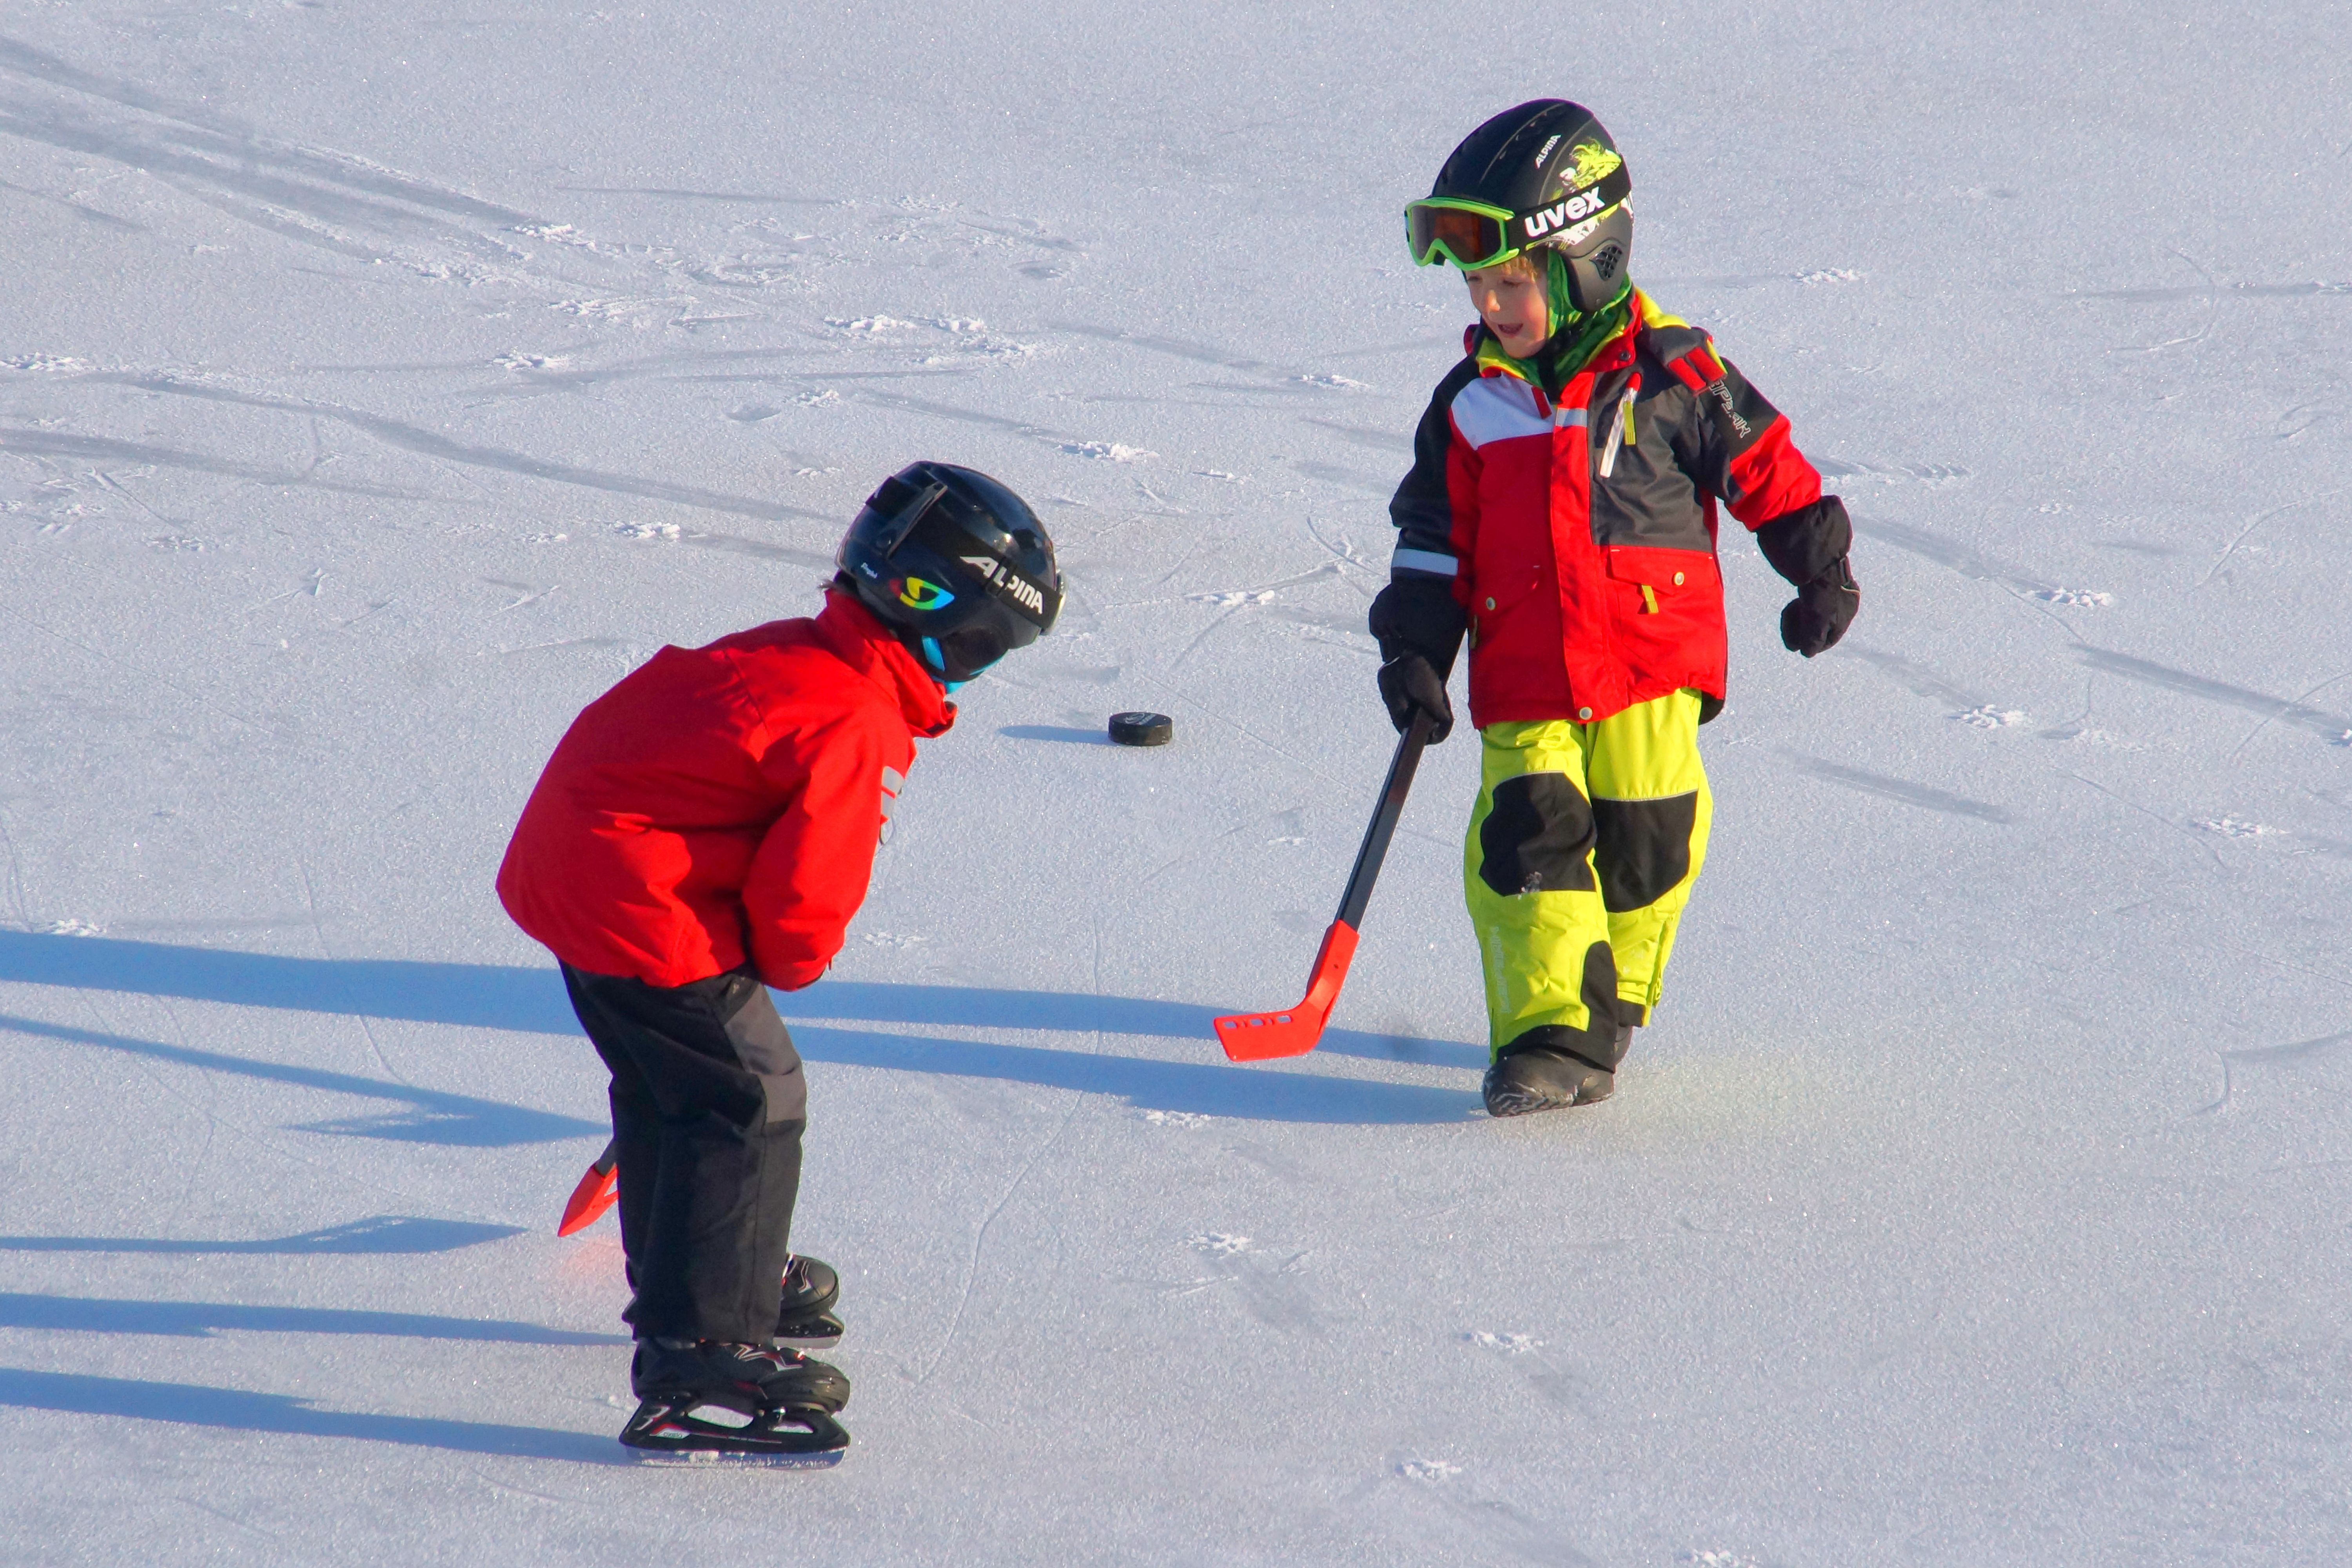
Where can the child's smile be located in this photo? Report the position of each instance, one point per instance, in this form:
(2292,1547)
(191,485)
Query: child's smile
(1510,299)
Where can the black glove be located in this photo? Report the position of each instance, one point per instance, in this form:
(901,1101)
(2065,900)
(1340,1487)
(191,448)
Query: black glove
(1821,612)
(1409,685)
(1808,546)
(1420,630)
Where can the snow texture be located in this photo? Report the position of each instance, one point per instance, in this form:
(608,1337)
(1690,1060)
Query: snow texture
(380,382)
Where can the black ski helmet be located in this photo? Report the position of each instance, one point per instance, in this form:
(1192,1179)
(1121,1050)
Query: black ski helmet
(955,563)
(1544,174)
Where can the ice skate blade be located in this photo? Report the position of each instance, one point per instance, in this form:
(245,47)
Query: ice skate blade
(665,1431)
(734,1460)
(820,1331)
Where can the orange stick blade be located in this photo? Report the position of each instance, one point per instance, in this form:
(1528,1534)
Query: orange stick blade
(1261,1036)
(600,1183)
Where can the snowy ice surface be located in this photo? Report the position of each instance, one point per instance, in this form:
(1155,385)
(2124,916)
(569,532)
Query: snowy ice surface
(382,381)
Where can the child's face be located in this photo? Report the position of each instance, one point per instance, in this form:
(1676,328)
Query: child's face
(1510,300)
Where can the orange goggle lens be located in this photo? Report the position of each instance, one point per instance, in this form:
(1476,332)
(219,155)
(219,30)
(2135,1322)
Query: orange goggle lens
(1466,237)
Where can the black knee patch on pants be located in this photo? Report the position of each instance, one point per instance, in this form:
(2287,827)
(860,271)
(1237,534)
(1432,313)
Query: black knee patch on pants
(1537,837)
(1643,848)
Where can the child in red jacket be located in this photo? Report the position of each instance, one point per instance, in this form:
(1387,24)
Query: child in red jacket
(1562,510)
(706,830)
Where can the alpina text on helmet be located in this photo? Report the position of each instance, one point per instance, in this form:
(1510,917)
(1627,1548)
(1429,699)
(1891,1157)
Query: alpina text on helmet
(1022,592)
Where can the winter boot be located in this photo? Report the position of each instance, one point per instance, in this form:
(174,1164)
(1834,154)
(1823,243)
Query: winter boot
(1538,1072)
(805,1317)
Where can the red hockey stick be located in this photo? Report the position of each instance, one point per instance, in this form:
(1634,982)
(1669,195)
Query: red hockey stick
(1257,1037)
(597,1189)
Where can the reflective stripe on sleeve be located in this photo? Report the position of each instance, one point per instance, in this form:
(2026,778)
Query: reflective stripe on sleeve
(1428,561)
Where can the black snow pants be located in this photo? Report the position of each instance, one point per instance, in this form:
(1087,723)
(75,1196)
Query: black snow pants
(709,1104)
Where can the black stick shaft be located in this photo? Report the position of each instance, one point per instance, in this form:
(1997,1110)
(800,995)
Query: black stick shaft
(1384,821)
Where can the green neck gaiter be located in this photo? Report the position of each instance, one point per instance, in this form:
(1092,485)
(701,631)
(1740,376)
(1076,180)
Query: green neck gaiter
(1575,334)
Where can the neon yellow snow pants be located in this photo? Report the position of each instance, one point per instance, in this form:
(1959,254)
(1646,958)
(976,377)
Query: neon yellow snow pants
(1579,858)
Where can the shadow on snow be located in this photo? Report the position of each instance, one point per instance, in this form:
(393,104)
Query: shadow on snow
(381,1234)
(202,1320)
(431,1115)
(532,1001)
(230,1409)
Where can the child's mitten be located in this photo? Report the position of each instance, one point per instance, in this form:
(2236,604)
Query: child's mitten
(1807,547)
(1420,628)
(1821,612)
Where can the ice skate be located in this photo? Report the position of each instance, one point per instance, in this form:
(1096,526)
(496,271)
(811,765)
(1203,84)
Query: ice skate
(805,1316)
(700,1398)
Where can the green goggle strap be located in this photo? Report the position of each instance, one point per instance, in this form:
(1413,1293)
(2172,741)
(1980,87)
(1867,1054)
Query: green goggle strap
(1427,256)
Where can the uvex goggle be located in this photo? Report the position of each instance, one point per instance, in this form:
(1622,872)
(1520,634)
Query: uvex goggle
(1473,235)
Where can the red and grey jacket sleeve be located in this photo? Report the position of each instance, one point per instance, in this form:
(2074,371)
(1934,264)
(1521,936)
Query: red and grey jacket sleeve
(810,871)
(1738,447)
(1425,509)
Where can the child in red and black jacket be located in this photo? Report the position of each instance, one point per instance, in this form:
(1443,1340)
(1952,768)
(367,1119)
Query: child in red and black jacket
(706,830)
(1561,511)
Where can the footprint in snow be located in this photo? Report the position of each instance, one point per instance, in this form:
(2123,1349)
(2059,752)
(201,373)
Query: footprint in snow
(2080,598)
(647,529)
(1987,717)
(1108,451)
(1217,1243)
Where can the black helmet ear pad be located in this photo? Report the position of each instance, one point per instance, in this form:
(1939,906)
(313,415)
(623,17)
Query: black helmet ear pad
(1596,263)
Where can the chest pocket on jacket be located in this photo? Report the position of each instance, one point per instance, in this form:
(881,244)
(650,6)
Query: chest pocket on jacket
(1665,580)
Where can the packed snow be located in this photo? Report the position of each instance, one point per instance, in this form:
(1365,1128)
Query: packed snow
(380,382)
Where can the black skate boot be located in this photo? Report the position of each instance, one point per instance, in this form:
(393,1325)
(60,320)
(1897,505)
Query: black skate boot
(1538,1072)
(710,1397)
(806,1316)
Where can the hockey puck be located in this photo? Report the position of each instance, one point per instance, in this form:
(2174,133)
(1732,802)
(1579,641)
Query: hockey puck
(1141,729)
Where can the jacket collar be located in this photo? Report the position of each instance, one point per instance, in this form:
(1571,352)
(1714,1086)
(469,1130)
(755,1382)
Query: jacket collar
(861,641)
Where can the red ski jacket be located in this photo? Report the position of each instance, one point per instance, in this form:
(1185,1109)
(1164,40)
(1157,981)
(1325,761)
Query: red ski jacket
(1580,532)
(722,803)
